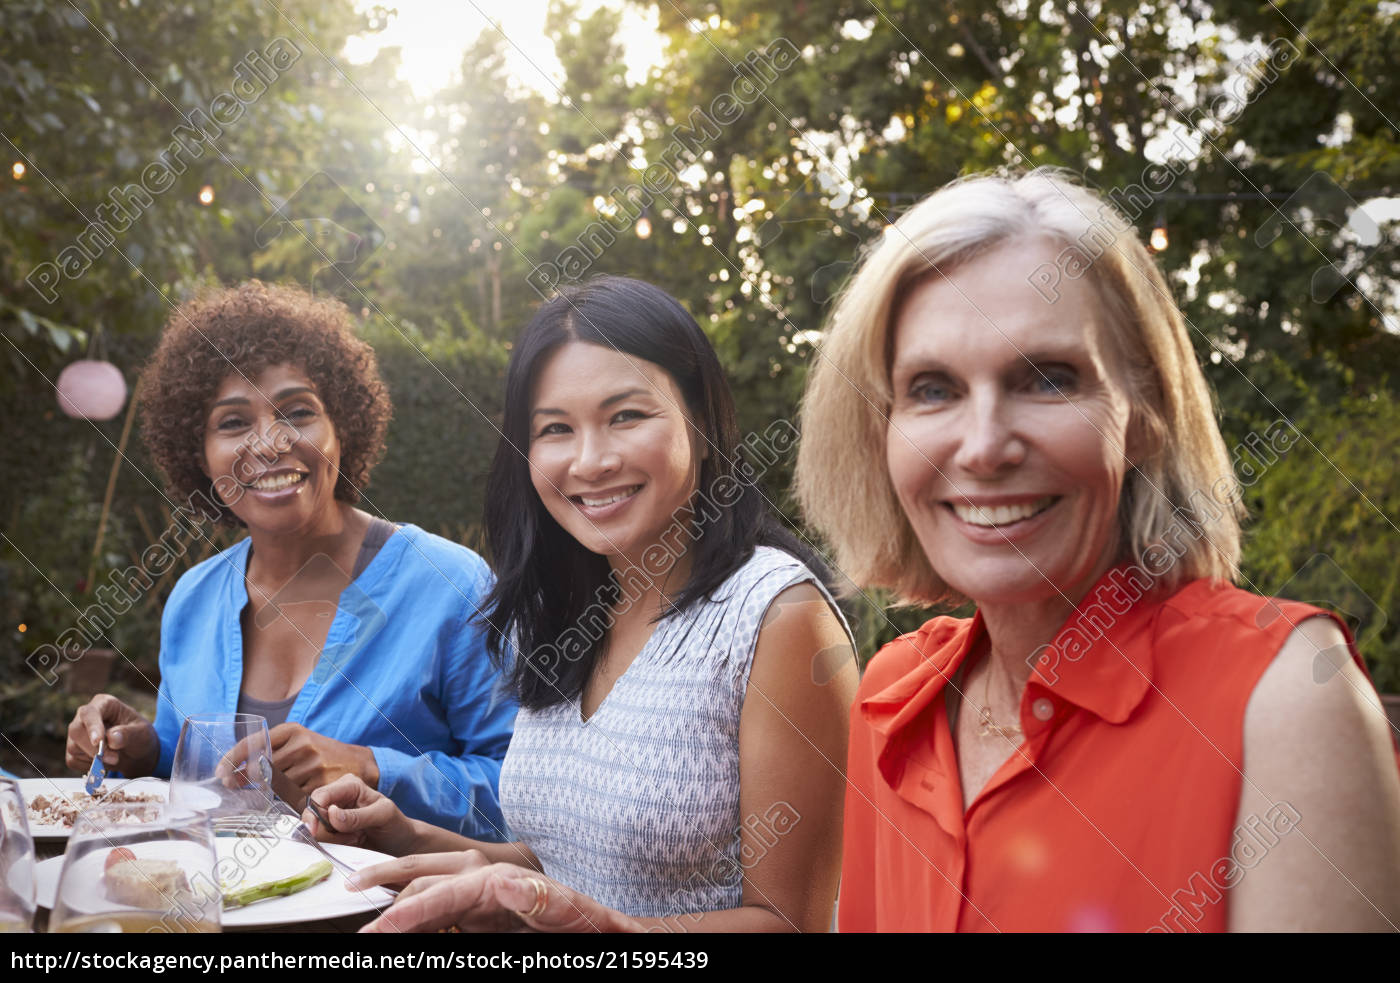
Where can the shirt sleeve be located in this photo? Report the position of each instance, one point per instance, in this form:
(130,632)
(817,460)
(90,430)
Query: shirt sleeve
(168,720)
(167,730)
(461,791)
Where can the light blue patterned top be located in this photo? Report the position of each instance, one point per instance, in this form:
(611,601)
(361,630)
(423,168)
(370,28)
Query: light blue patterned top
(638,807)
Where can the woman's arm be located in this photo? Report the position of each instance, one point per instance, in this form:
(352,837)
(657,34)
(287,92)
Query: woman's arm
(792,768)
(792,757)
(1319,771)
(362,816)
(458,788)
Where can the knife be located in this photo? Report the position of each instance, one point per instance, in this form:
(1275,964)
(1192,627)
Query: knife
(97,771)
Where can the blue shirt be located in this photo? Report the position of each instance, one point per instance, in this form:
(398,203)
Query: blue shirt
(404,671)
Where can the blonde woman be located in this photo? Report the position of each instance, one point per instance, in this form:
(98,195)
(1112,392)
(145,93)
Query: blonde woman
(1008,410)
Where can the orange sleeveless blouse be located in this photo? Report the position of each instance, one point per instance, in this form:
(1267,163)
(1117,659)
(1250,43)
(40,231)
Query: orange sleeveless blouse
(1118,812)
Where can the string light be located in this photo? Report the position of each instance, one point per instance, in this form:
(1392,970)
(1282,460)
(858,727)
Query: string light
(206,195)
(1158,240)
(643,228)
(23,628)
(17,169)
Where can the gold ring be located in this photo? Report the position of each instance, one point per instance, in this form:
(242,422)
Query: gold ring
(541,898)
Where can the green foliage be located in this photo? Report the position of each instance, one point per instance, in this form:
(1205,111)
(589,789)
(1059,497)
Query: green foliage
(36,718)
(96,127)
(446,391)
(755,232)
(1326,523)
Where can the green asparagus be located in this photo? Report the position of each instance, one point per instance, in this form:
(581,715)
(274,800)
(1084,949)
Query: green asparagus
(315,874)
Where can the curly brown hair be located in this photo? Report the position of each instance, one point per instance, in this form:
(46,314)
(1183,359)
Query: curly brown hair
(247,329)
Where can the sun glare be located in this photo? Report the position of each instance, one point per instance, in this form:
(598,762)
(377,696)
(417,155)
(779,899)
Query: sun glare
(433,36)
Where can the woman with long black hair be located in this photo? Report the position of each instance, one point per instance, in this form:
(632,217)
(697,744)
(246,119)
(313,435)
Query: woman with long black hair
(683,674)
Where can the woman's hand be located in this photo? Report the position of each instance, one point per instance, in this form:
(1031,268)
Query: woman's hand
(133,747)
(362,817)
(311,760)
(419,867)
(496,898)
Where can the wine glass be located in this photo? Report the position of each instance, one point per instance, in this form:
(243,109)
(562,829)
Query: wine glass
(144,867)
(223,766)
(16,861)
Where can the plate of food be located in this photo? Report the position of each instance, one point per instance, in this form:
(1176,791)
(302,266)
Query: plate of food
(264,881)
(55,802)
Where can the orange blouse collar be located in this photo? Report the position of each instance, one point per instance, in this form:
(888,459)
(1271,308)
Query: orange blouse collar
(1100,660)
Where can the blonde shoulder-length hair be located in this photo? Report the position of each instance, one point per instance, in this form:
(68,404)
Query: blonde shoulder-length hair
(1180,509)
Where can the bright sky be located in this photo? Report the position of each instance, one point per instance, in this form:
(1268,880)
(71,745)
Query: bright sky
(434,33)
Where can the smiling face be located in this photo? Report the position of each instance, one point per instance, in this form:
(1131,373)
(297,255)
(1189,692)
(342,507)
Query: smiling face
(274,437)
(611,454)
(1009,428)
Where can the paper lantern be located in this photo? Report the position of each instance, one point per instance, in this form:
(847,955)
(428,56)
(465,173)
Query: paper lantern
(92,390)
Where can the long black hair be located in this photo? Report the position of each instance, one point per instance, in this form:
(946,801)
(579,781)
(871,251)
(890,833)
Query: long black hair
(550,608)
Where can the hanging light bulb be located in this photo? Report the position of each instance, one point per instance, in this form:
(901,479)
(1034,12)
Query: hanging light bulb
(1158,239)
(643,227)
(18,169)
(206,195)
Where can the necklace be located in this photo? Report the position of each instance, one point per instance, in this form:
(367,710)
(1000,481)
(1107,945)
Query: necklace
(989,727)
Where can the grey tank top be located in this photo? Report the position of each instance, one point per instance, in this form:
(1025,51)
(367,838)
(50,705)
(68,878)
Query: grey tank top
(275,711)
(639,806)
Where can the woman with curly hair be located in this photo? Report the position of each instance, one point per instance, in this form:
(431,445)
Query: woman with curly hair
(349,634)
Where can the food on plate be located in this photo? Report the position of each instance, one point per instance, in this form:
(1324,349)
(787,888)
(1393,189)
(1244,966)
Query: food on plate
(315,874)
(144,882)
(61,810)
(117,856)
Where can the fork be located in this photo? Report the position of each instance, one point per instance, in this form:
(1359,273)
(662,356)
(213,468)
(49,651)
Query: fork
(303,834)
(264,824)
(97,771)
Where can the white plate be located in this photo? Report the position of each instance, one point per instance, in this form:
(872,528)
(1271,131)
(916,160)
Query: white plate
(31,788)
(266,860)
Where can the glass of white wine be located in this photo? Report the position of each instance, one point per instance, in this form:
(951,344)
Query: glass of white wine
(16,861)
(147,867)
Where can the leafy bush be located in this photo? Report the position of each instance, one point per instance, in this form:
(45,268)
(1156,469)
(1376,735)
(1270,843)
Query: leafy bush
(447,392)
(1325,524)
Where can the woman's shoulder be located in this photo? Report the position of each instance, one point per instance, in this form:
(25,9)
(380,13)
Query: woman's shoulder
(752,587)
(429,557)
(727,621)
(211,574)
(1225,647)
(1220,610)
(1293,645)
(764,563)
(928,645)
(773,558)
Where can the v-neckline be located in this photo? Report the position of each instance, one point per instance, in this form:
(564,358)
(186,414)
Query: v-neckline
(360,582)
(641,653)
